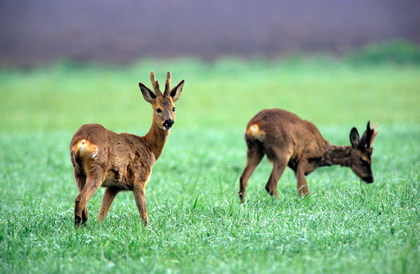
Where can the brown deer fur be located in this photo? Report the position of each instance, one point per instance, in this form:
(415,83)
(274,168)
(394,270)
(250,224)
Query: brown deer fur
(118,162)
(287,140)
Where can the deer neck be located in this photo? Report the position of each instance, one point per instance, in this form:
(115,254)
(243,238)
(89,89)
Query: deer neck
(156,139)
(336,155)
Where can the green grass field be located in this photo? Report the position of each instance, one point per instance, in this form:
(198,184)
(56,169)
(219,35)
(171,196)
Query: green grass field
(196,222)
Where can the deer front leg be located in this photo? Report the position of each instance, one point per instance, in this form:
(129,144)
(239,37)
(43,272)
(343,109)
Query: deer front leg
(140,198)
(109,196)
(279,165)
(302,186)
(254,157)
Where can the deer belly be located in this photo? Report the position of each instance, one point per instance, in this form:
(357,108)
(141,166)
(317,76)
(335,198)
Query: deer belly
(110,182)
(118,179)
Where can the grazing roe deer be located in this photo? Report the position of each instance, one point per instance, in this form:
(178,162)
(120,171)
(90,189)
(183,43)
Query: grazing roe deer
(123,161)
(287,140)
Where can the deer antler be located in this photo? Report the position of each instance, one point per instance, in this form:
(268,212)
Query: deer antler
(168,83)
(155,83)
(368,135)
(373,134)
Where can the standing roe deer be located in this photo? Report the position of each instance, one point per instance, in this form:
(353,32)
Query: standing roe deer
(123,161)
(287,140)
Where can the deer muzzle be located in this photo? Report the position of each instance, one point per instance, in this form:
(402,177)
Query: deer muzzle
(368,179)
(167,125)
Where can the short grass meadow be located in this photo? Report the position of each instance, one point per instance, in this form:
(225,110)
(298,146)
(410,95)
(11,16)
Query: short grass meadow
(196,222)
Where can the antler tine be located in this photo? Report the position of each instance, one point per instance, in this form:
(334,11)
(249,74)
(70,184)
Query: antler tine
(168,83)
(155,83)
(374,133)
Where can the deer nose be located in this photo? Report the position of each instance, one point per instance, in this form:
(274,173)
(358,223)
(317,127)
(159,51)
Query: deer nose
(368,179)
(168,124)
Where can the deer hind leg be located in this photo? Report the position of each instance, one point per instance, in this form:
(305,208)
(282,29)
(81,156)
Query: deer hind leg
(302,186)
(279,165)
(81,182)
(254,155)
(91,186)
(280,156)
(109,196)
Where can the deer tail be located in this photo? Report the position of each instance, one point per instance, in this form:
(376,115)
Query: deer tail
(254,132)
(83,148)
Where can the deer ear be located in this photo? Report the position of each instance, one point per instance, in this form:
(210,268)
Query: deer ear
(354,137)
(176,91)
(148,95)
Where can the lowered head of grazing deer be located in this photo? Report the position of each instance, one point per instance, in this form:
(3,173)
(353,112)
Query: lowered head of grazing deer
(361,153)
(287,140)
(121,162)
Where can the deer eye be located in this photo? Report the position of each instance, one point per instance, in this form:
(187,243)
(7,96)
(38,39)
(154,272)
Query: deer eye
(158,110)
(364,162)
(174,109)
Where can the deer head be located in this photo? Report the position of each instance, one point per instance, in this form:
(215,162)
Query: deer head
(361,152)
(162,103)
